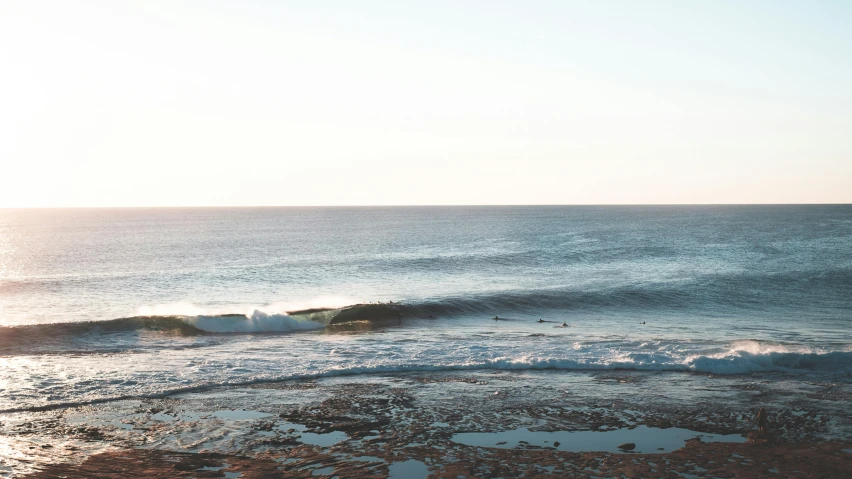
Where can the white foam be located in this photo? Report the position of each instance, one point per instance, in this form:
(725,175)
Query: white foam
(245,360)
(730,365)
(758,347)
(187,308)
(257,322)
(738,362)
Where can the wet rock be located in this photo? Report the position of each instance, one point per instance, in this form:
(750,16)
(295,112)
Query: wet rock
(383,408)
(627,446)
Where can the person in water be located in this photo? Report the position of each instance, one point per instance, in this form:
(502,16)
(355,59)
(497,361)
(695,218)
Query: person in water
(564,324)
(540,320)
(496,318)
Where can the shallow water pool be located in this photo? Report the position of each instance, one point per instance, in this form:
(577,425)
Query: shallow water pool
(647,439)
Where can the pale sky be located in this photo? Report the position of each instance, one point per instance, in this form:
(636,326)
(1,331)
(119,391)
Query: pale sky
(181,103)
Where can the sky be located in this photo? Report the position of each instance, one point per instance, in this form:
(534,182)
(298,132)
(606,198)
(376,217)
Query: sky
(241,103)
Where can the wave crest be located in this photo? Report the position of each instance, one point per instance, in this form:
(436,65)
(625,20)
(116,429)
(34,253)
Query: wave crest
(63,337)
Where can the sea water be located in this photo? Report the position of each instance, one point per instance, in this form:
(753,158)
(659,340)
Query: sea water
(98,304)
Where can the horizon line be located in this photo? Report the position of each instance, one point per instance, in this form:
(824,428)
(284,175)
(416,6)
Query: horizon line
(408,205)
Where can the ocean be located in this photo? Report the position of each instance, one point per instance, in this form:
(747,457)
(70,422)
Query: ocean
(105,304)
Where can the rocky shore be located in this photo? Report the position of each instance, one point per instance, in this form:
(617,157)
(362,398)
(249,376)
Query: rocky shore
(447,425)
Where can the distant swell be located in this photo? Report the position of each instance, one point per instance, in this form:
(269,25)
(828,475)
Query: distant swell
(715,294)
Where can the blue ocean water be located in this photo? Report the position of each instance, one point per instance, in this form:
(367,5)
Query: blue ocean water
(183,298)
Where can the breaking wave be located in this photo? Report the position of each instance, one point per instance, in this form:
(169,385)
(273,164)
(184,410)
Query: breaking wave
(27,338)
(257,322)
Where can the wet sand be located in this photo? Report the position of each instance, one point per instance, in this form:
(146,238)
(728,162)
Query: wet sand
(475,424)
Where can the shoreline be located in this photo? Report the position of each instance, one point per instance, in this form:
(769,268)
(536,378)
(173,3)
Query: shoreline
(375,425)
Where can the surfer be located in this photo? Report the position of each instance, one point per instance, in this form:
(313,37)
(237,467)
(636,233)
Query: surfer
(564,324)
(496,318)
(540,320)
